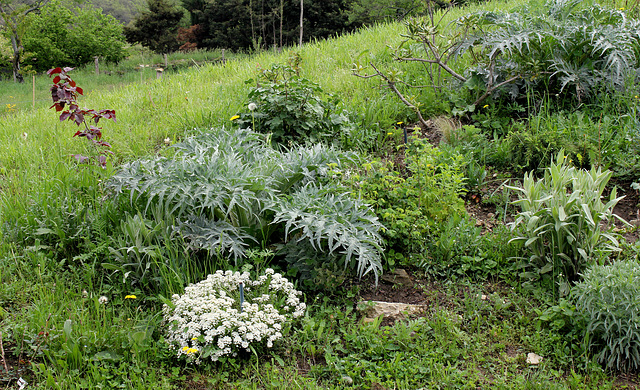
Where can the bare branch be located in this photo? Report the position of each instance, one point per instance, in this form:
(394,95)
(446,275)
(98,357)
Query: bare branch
(439,62)
(490,90)
(392,86)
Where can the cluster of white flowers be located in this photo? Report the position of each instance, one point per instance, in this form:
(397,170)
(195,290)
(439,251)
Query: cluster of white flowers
(206,321)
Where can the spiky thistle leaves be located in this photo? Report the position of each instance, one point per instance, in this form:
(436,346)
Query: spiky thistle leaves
(565,42)
(228,191)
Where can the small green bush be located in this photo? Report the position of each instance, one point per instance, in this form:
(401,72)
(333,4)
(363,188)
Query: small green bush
(294,109)
(609,298)
(412,201)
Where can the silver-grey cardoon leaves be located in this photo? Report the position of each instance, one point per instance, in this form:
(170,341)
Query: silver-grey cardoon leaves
(227,190)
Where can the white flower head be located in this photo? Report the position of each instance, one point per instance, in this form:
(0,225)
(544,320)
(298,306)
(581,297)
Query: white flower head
(103,300)
(210,312)
(252,106)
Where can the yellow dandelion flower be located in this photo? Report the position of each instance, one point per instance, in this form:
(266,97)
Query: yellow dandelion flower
(621,9)
(399,123)
(233,118)
(194,338)
(389,133)
(485,106)
(185,348)
(130,297)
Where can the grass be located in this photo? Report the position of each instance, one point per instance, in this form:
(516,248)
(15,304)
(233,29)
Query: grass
(53,325)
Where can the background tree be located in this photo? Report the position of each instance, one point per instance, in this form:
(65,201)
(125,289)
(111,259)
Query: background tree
(366,12)
(157,28)
(123,10)
(62,34)
(13,15)
(243,24)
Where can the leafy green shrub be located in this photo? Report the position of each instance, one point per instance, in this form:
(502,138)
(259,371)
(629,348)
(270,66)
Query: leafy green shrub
(293,108)
(609,298)
(560,222)
(409,203)
(227,191)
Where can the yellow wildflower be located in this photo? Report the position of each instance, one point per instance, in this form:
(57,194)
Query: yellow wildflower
(389,133)
(399,123)
(485,106)
(185,348)
(233,118)
(130,297)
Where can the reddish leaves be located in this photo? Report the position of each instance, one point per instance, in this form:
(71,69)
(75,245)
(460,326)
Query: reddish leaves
(64,93)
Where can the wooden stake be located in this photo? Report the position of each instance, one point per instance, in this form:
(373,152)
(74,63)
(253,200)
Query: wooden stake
(4,362)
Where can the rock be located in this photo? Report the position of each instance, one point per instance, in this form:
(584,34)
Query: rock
(533,358)
(398,276)
(375,309)
(484,297)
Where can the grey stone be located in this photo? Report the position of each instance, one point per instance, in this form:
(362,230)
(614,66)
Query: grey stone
(375,309)
(398,276)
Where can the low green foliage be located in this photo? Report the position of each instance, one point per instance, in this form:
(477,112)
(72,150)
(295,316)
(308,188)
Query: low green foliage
(609,299)
(608,140)
(457,248)
(559,225)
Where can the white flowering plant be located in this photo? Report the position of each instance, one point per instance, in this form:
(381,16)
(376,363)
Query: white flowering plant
(210,321)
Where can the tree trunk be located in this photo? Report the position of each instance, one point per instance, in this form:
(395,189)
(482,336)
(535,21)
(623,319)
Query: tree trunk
(281,17)
(253,30)
(15,63)
(301,19)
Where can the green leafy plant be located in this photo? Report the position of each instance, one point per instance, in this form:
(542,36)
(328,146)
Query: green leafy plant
(457,248)
(227,191)
(293,108)
(609,298)
(560,222)
(409,203)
